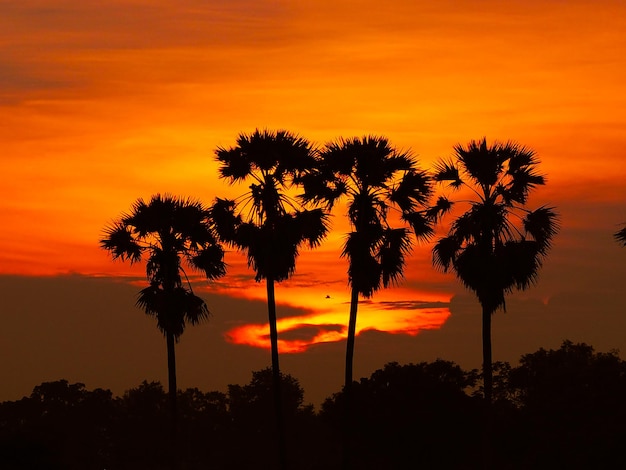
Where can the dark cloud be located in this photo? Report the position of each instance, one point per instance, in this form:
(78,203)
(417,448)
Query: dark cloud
(307,332)
(411,304)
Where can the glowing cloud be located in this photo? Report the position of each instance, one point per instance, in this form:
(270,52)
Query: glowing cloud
(328,323)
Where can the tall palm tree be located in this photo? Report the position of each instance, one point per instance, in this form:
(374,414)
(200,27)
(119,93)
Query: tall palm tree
(266,222)
(620,236)
(497,245)
(383,186)
(167,231)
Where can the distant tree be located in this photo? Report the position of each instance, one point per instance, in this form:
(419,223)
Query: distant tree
(59,426)
(205,418)
(620,236)
(251,412)
(376,179)
(572,400)
(168,230)
(409,416)
(498,244)
(267,223)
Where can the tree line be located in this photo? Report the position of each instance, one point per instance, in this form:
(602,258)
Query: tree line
(561,408)
(496,245)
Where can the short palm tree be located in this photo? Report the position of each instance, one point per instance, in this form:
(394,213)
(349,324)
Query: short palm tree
(266,222)
(167,230)
(497,245)
(620,236)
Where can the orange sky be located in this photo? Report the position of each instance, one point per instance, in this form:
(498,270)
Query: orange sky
(104,102)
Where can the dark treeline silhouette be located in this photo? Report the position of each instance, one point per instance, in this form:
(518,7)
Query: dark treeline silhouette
(560,408)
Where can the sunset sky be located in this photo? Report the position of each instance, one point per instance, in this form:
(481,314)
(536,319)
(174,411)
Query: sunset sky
(108,101)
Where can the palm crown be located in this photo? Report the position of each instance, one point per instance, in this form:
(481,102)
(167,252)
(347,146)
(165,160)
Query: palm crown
(498,244)
(266,222)
(168,230)
(375,178)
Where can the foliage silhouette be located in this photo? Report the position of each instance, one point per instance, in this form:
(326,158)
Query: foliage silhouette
(572,402)
(168,230)
(250,409)
(376,179)
(497,245)
(266,223)
(559,408)
(408,415)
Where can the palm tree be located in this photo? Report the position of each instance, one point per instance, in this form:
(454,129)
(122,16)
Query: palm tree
(497,245)
(620,236)
(266,223)
(168,230)
(376,179)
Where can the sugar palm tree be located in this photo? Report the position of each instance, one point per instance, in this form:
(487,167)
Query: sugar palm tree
(383,187)
(266,222)
(497,245)
(167,231)
(620,236)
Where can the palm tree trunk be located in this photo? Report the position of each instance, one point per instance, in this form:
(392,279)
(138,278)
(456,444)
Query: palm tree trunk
(354,305)
(488,390)
(487,362)
(278,408)
(172,389)
(347,389)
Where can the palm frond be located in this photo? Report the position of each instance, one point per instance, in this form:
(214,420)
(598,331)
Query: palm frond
(235,166)
(441,208)
(542,224)
(445,252)
(522,181)
(482,162)
(275,151)
(120,242)
(366,209)
(520,262)
(480,271)
(421,223)
(210,260)
(222,213)
(394,246)
(172,308)
(414,189)
(446,170)
(519,157)
(364,270)
(312,226)
(154,216)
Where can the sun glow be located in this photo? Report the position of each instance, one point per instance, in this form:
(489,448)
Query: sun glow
(327,321)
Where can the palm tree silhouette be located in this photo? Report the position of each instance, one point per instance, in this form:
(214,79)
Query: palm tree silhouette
(168,230)
(497,245)
(376,179)
(266,222)
(620,236)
